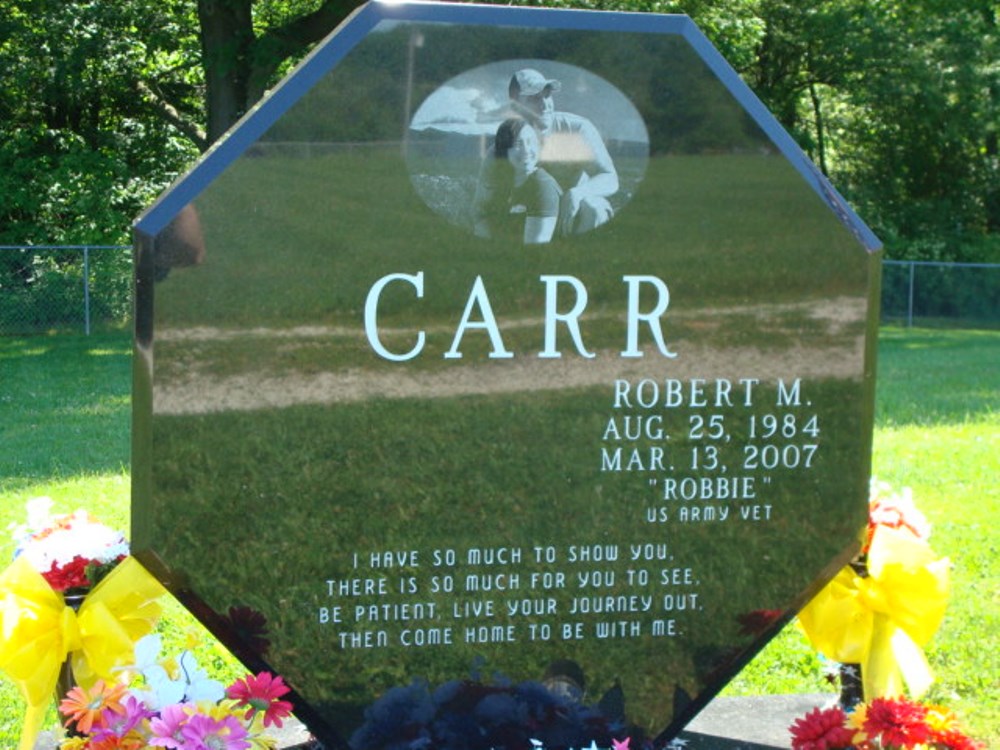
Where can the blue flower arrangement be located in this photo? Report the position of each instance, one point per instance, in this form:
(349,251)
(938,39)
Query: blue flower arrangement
(500,715)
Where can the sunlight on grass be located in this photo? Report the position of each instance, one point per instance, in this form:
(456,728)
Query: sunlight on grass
(19,353)
(952,471)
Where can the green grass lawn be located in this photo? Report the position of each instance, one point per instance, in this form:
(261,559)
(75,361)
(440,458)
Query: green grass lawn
(64,426)
(938,432)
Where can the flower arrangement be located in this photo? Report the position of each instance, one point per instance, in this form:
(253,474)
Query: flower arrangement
(891,510)
(172,703)
(74,605)
(475,714)
(877,613)
(72,552)
(881,609)
(882,724)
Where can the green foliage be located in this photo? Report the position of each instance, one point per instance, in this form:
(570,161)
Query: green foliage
(949,295)
(735,27)
(899,102)
(44,290)
(82,146)
(918,149)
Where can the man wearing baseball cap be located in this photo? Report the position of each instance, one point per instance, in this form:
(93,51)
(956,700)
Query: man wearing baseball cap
(573,152)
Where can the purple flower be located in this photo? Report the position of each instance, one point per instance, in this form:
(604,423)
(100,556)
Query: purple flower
(117,725)
(205,733)
(167,728)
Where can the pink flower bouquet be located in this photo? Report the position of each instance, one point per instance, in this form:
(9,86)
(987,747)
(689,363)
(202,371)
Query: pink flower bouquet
(173,704)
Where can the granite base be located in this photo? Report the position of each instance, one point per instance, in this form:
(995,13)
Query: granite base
(730,723)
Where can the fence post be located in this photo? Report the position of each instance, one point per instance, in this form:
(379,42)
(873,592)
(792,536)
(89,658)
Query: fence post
(86,291)
(909,302)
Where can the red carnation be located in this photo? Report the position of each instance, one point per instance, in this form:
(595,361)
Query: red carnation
(821,729)
(70,575)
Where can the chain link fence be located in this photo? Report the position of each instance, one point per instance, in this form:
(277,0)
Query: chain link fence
(64,288)
(956,295)
(79,288)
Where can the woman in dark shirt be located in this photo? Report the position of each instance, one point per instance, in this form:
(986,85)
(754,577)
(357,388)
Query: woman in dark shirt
(534,194)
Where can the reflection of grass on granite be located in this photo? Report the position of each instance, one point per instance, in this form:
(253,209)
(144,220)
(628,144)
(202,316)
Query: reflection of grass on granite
(735,230)
(314,484)
(276,353)
(299,242)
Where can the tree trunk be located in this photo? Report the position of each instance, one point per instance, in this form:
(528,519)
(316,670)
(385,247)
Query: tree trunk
(820,129)
(239,65)
(226,41)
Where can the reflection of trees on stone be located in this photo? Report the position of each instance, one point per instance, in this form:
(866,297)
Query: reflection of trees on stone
(687,109)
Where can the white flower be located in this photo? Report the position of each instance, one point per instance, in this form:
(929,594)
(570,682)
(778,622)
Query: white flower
(39,513)
(63,538)
(199,686)
(192,684)
(160,690)
(898,510)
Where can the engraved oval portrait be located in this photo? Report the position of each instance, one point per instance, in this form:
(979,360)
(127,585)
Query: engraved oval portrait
(527,150)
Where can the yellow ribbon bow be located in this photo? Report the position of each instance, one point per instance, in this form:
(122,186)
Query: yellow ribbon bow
(38,631)
(883,621)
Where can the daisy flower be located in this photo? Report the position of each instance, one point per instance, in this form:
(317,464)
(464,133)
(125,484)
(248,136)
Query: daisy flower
(946,731)
(86,707)
(166,728)
(895,511)
(131,741)
(205,733)
(118,724)
(261,693)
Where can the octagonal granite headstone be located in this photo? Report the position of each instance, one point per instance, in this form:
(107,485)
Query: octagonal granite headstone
(487,420)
